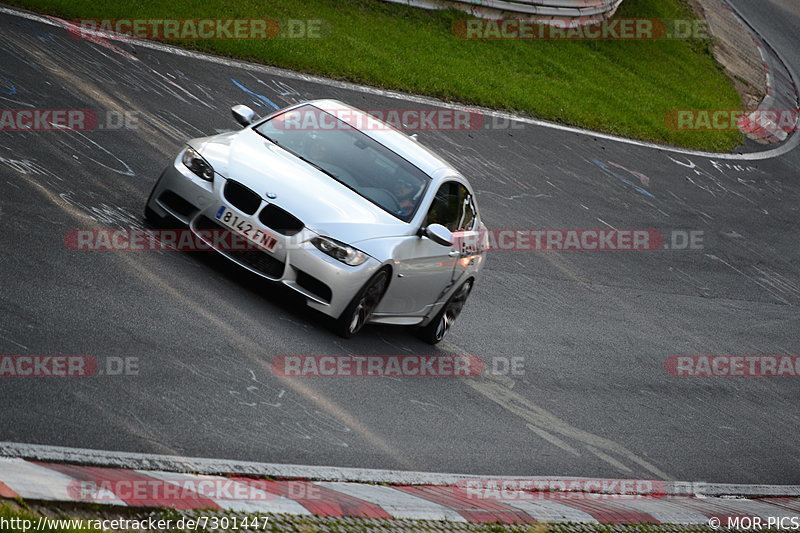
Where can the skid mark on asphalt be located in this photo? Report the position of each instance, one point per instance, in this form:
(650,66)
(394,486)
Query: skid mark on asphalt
(89,67)
(167,120)
(83,147)
(12,341)
(31,172)
(623,179)
(302,423)
(605,449)
(126,422)
(54,190)
(722,179)
(766,286)
(7,88)
(81,86)
(257,99)
(644,180)
(317,423)
(702,216)
(326,410)
(479,168)
(285,92)
(110,215)
(569,269)
(553,429)
(160,130)
(703,289)
(301,416)
(719,183)
(778,282)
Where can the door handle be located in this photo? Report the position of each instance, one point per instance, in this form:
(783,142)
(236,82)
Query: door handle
(454,253)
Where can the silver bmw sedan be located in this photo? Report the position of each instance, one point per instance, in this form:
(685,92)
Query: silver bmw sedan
(361,219)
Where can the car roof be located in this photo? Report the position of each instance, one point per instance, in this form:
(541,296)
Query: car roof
(393,139)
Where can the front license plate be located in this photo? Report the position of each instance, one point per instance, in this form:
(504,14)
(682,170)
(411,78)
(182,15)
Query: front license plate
(262,238)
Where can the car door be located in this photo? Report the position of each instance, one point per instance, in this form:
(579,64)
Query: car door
(468,238)
(423,268)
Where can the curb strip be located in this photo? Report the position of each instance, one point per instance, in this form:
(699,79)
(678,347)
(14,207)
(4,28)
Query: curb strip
(141,480)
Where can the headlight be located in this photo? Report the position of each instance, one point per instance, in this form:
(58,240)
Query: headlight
(197,164)
(337,250)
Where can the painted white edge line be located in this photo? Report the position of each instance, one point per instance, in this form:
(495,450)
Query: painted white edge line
(170,463)
(754,156)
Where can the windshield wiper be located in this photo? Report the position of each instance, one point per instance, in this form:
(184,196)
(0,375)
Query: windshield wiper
(301,158)
(270,139)
(315,165)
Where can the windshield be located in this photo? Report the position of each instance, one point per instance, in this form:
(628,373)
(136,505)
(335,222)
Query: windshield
(351,157)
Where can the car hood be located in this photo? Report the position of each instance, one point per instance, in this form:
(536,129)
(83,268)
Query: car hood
(324,205)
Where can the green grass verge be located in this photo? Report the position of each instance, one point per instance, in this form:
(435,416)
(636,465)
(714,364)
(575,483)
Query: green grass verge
(621,87)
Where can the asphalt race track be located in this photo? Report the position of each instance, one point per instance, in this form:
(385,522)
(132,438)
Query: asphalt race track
(594,328)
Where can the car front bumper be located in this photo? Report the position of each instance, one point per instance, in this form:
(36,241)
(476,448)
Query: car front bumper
(327,284)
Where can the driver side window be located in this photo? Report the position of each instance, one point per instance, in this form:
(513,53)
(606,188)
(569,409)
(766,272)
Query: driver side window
(452,207)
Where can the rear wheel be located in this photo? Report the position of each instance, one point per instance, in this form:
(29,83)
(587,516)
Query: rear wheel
(357,314)
(437,329)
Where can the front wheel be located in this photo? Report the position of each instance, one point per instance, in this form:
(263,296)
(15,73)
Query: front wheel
(436,330)
(363,305)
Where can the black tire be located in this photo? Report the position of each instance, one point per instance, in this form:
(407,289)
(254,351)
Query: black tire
(363,304)
(437,329)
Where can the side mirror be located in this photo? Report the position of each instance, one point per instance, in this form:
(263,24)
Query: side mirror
(439,234)
(243,114)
